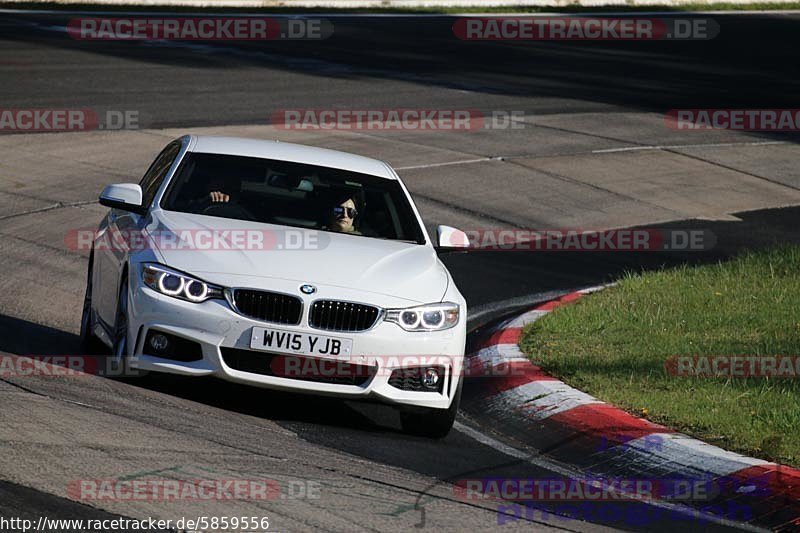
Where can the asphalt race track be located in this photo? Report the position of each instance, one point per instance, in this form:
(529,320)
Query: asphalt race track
(591,150)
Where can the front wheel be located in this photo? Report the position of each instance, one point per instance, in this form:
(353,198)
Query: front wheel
(90,344)
(431,423)
(122,347)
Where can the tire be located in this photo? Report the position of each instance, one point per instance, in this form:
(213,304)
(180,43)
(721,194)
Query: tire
(120,347)
(90,344)
(431,423)
(120,353)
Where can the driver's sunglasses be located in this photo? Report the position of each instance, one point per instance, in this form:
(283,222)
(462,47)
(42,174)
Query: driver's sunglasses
(351,212)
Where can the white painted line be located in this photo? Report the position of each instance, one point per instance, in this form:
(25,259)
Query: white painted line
(448,163)
(536,460)
(596,288)
(571,473)
(679,146)
(535,314)
(523,320)
(626,149)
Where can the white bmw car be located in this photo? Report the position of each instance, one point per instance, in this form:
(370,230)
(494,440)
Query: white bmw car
(280,266)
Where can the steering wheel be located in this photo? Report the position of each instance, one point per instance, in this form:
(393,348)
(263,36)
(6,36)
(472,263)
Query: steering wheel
(228,210)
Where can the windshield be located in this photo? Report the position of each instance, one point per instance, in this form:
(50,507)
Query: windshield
(292,194)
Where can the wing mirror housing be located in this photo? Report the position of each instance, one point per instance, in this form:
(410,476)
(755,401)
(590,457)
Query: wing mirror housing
(451,239)
(123,196)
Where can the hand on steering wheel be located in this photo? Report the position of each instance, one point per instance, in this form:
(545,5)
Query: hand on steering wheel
(218,197)
(227,210)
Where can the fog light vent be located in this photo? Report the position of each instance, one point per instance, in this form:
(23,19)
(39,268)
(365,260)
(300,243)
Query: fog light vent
(418,379)
(168,346)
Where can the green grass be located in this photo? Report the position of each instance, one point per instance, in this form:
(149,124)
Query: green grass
(716,6)
(613,345)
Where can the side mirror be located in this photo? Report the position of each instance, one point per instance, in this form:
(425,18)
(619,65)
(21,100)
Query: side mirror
(124,196)
(452,238)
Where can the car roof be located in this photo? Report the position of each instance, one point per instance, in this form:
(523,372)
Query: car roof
(296,153)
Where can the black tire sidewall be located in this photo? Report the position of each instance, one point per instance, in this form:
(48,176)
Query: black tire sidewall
(89,343)
(431,423)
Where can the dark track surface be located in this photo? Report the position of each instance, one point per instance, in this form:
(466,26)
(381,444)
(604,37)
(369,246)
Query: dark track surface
(381,63)
(752,63)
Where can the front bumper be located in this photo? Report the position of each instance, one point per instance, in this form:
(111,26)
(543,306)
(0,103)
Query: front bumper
(214,325)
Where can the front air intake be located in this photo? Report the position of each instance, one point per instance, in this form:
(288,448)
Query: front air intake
(268,306)
(334,315)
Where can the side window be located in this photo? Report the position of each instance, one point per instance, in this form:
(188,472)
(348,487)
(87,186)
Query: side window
(158,170)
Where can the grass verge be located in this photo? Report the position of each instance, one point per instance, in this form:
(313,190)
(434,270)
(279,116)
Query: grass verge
(614,344)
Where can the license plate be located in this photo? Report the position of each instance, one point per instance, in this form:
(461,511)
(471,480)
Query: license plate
(282,341)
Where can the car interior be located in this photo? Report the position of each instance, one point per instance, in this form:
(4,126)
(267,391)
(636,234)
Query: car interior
(290,194)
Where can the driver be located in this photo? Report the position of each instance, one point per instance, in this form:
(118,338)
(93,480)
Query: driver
(218,192)
(223,191)
(219,197)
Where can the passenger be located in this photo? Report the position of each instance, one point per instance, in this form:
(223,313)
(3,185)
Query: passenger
(342,215)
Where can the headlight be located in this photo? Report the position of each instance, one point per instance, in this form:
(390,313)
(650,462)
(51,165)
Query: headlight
(179,285)
(430,317)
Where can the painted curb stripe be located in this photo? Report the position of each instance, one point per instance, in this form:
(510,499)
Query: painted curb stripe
(539,400)
(509,335)
(777,479)
(520,389)
(549,306)
(693,456)
(523,320)
(500,353)
(603,420)
(508,376)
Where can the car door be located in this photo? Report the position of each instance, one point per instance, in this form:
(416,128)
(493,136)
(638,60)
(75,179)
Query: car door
(110,260)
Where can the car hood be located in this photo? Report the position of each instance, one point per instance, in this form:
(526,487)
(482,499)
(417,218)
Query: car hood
(399,269)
